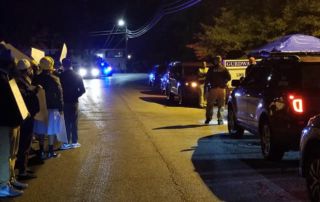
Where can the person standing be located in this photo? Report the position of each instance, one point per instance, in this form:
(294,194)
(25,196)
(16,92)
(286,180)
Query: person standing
(54,98)
(218,77)
(201,79)
(30,98)
(9,130)
(73,88)
(252,64)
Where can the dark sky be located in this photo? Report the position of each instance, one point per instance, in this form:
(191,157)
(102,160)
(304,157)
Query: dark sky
(26,22)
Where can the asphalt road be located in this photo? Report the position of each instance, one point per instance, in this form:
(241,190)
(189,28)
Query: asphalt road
(136,147)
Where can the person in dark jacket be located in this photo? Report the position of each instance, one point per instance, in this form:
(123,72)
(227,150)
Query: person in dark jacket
(218,77)
(73,88)
(252,62)
(9,130)
(29,94)
(54,98)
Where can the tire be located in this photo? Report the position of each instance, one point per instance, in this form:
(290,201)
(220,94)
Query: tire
(269,147)
(234,129)
(312,179)
(170,96)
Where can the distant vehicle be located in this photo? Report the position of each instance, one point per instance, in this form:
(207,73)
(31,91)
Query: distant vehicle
(156,74)
(96,71)
(182,81)
(310,157)
(275,101)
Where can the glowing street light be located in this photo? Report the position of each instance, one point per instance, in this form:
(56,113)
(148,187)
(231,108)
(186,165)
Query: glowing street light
(121,23)
(129,57)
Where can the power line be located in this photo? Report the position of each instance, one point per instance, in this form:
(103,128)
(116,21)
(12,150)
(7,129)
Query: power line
(135,34)
(163,10)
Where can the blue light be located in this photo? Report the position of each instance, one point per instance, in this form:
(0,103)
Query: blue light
(102,64)
(107,70)
(151,76)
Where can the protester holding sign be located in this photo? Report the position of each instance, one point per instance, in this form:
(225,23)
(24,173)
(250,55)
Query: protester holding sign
(10,120)
(54,98)
(29,94)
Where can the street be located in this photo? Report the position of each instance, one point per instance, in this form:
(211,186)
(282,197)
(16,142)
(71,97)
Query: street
(136,147)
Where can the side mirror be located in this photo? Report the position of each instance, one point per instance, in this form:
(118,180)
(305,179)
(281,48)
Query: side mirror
(235,83)
(241,79)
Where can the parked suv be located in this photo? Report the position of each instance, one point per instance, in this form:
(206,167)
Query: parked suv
(310,157)
(275,101)
(182,81)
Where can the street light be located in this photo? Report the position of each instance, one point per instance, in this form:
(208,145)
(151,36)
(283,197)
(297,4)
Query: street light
(121,23)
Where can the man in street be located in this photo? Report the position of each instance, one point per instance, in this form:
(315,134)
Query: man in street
(73,88)
(30,98)
(201,79)
(9,130)
(252,62)
(218,77)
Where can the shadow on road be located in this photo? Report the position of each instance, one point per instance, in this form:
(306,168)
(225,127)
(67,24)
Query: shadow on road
(180,127)
(151,92)
(162,100)
(236,171)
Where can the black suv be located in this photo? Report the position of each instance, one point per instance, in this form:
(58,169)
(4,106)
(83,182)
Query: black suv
(275,100)
(182,81)
(310,157)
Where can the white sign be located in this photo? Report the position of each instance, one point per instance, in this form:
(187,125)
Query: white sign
(19,100)
(37,54)
(63,52)
(42,115)
(15,53)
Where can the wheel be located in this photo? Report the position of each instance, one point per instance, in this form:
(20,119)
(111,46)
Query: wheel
(312,179)
(233,128)
(170,96)
(181,97)
(269,148)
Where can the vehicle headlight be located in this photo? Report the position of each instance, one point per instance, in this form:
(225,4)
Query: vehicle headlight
(95,72)
(194,84)
(83,72)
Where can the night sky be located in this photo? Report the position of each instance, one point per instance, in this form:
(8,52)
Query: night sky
(48,24)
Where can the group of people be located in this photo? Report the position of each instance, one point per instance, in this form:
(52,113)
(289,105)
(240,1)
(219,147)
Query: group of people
(16,135)
(215,79)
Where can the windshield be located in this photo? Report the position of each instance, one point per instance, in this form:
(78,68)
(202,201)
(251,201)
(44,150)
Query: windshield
(191,70)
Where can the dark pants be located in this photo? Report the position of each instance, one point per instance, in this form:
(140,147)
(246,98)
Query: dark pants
(25,143)
(71,118)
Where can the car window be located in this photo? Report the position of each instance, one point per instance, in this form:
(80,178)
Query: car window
(286,76)
(258,77)
(190,70)
(177,70)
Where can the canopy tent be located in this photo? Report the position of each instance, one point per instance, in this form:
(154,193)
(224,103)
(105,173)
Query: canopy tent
(295,43)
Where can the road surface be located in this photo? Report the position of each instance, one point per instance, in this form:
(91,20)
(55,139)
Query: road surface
(136,147)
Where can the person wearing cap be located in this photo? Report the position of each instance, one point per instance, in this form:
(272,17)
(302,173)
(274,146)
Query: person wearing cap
(201,79)
(9,130)
(252,64)
(35,67)
(54,98)
(29,94)
(73,88)
(218,76)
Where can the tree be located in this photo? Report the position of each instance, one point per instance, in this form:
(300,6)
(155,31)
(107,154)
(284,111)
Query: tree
(245,25)
(302,16)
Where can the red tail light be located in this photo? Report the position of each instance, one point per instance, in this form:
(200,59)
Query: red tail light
(297,104)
